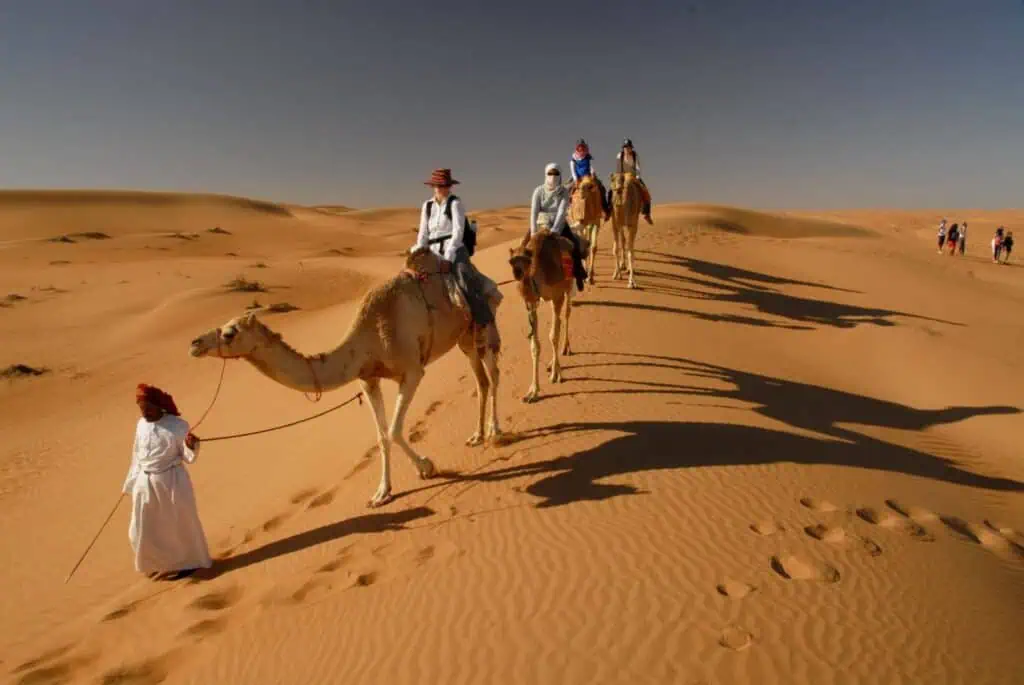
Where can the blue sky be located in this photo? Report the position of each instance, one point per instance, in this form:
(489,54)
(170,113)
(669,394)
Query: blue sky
(766,103)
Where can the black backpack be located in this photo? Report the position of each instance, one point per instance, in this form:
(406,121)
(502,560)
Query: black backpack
(469,228)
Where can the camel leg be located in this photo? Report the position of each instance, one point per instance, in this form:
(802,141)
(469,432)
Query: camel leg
(616,247)
(592,233)
(630,240)
(556,330)
(376,401)
(483,385)
(566,349)
(490,362)
(534,391)
(406,390)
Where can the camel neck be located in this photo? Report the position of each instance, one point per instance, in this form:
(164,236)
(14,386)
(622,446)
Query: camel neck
(323,372)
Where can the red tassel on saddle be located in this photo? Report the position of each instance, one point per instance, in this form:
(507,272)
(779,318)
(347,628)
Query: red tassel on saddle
(567,267)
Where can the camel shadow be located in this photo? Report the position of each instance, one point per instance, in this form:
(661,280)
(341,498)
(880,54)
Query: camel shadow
(369,523)
(653,445)
(729,284)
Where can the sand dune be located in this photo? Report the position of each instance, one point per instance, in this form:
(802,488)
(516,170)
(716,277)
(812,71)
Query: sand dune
(790,457)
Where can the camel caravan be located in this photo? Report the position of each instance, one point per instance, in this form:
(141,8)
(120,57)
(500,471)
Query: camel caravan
(439,300)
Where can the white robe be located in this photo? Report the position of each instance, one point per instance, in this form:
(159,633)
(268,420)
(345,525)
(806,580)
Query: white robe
(165,531)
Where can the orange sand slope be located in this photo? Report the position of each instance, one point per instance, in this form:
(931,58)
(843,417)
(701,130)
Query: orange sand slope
(791,457)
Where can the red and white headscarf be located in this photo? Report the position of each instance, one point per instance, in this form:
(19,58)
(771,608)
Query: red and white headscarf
(157,398)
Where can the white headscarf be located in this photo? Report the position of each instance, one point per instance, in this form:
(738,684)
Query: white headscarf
(552,183)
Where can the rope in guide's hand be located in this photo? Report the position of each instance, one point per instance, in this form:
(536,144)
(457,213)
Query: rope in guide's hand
(358,396)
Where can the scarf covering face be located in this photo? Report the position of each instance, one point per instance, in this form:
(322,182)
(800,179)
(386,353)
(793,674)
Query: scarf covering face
(157,398)
(552,183)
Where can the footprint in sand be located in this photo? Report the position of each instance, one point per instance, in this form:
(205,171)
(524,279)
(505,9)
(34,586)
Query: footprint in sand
(916,514)
(424,555)
(988,537)
(1007,532)
(819,505)
(418,432)
(121,612)
(144,673)
(734,589)
(363,463)
(302,495)
(366,579)
(322,499)
(434,406)
(311,589)
(839,536)
(793,567)
(767,527)
(216,600)
(204,628)
(272,524)
(736,638)
(887,519)
(59,672)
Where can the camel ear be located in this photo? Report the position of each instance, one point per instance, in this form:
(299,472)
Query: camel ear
(248,319)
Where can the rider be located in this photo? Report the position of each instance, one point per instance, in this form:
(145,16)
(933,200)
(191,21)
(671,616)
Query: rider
(547,210)
(581,164)
(444,237)
(629,160)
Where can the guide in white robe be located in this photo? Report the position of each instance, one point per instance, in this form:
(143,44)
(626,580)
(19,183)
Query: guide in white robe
(165,531)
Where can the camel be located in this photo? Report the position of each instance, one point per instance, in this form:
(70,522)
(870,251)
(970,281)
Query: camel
(401,326)
(585,214)
(542,268)
(627,201)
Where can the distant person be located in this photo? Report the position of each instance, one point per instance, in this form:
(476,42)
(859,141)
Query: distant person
(963,238)
(165,531)
(953,237)
(997,244)
(548,208)
(443,230)
(942,234)
(1007,246)
(628,160)
(581,165)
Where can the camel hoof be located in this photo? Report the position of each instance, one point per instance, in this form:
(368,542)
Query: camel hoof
(632,285)
(427,469)
(474,440)
(380,499)
(530,398)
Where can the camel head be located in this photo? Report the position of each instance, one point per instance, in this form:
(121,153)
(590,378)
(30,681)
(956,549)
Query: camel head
(239,337)
(520,259)
(422,260)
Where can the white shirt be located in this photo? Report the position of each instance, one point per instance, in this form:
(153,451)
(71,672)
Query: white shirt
(159,446)
(437,225)
(548,208)
(631,166)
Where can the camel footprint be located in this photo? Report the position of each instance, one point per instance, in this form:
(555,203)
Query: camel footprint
(887,519)
(735,589)
(819,505)
(840,537)
(322,500)
(767,527)
(736,638)
(363,463)
(794,567)
(986,535)
(217,600)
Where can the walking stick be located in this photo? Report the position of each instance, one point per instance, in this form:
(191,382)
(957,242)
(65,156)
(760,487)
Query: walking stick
(82,558)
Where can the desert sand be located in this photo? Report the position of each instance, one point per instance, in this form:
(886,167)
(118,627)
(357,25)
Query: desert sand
(792,456)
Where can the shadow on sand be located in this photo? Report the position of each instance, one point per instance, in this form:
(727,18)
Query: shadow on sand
(653,445)
(723,283)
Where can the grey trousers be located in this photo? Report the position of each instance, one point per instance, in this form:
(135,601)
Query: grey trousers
(472,289)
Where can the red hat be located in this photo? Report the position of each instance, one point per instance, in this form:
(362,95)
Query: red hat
(156,397)
(441,177)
